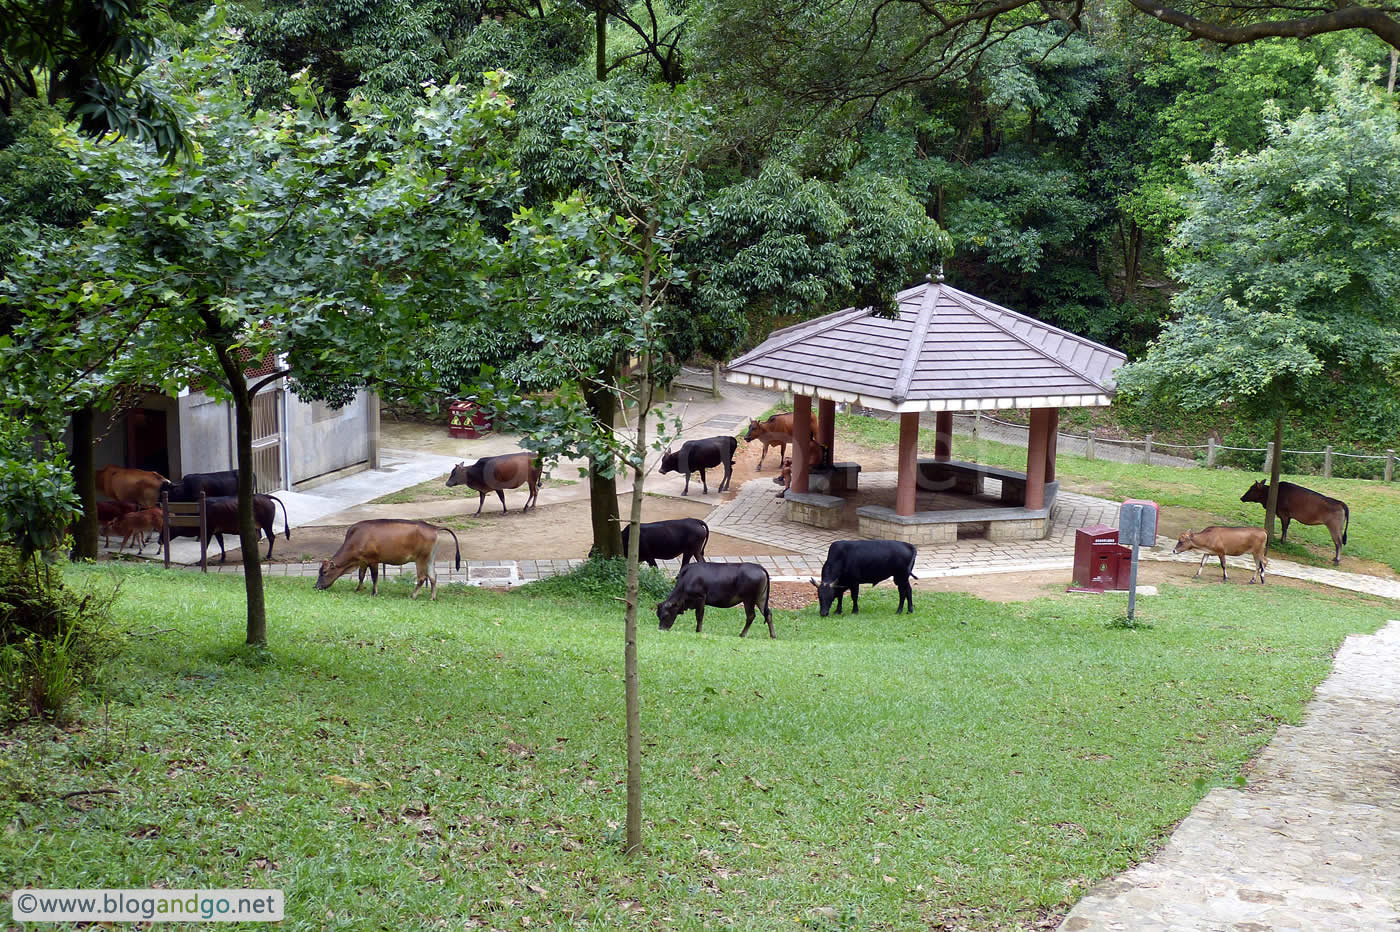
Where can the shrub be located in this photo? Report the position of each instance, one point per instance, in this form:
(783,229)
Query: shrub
(52,639)
(602,578)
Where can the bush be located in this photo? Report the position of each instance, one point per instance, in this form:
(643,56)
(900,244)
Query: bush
(602,578)
(52,639)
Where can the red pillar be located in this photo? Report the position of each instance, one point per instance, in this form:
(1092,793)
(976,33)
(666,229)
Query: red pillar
(943,436)
(801,440)
(1037,446)
(1052,444)
(826,425)
(904,495)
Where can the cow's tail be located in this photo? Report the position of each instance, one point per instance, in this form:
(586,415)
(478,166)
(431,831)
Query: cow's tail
(912,557)
(767,591)
(455,544)
(286,524)
(1346,513)
(700,552)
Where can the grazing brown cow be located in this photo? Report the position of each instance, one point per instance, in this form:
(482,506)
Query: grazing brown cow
(122,484)
(497,473)
(1308,507)
(387,540)
(137,524)
(774,432)
(1227,541)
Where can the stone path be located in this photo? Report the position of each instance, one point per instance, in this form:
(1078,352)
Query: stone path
(1310,843)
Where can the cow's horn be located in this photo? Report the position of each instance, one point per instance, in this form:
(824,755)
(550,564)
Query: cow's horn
(813,582)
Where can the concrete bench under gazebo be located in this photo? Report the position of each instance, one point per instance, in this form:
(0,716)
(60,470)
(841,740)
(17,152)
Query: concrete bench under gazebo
(947,351)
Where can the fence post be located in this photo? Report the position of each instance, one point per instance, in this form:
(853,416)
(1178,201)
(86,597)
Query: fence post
(1389,464)
(977,424)
(1210,452)
(714,379)
(1327,461)
(1269,458)
(1089,445)
(1147,450)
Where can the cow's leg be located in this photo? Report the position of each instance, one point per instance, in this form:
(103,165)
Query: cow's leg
(761,454)
(534,493)
(363,569)
(748,617)
(222,552)
(699,616)
(768,617)
(481,505)
(1337,543)
(1224,577)
(1261,561)
(1204,558)
(500,493)
(374,579)
(652,562)
(840,599)
(855,595)
(1284,519)
(728,473)
(906,594)
(686,490)
(270,538)
(704,489)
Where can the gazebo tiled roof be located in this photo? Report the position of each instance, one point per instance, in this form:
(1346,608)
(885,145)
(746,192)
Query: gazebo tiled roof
(946,351)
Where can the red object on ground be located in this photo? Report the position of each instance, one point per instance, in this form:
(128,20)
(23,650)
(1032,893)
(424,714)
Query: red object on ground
(467,420)
(1100,562)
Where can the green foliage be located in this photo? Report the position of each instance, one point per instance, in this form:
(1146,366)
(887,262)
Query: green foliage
(53,639)
(37,498)
(600,579)
(39,189)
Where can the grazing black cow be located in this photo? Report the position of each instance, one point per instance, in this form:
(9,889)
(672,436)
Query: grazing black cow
(221,514)
(212,484)
(1308,507)
(723,585)
(849,563)
(700,455)
(665,540)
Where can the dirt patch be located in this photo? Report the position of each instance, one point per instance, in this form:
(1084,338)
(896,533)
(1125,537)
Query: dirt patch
(550,532)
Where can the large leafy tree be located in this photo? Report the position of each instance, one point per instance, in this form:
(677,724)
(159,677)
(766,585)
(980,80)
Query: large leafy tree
(1290,264)
(288,237)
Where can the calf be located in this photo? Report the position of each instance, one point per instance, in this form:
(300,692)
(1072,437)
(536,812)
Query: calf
(221,517)
(136,525)
(723,585)
(700,455)
(849,563)
(498,473)
(212,484)
(1308,507)
(816,455)
(387,540)
(108,513)
(1227,541)
(776,431)
(666,540)
(130,485)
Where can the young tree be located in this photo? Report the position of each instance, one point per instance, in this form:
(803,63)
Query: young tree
(1290,259)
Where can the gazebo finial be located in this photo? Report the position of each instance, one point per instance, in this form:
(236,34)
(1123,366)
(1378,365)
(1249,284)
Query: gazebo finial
(940,271)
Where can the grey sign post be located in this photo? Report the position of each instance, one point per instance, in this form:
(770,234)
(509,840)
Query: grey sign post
(1137,526)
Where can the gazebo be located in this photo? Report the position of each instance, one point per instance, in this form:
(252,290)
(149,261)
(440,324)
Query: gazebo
(947,351)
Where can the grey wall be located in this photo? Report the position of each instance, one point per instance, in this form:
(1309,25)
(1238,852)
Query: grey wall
(321,440)
(110,430)
(206,435)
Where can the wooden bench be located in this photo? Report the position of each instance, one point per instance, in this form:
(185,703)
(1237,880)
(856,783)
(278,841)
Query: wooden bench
(185,514)
(969,479)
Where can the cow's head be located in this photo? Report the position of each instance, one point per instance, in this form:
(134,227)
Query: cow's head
(1258,492)
(459,475)
(670,462)
(666,613)
(327,575)
(1185,542)
(826,594)
(755,429)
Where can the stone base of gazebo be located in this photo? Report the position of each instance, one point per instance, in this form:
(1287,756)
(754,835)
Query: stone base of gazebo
(943,527)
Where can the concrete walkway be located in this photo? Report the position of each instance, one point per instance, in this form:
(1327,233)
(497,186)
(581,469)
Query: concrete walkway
(1310,844)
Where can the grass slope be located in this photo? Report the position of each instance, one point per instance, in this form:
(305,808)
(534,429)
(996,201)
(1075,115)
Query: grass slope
(392,763)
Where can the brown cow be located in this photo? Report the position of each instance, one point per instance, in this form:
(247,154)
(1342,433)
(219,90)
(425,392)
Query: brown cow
(108,513)
(776,431)
(387,540)
(122,484)
(1308,507)
(497,473)
(1227,541)
(137,524)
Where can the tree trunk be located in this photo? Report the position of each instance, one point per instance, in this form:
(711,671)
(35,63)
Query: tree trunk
(602,490)
(631,680)
(1271,509)
(247,529)
(600,40)
(85,478)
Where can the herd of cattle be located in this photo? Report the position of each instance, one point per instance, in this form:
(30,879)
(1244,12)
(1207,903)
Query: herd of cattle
(133,512)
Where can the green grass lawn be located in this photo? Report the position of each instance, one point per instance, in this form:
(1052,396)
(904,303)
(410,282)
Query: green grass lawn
(392,763)
(1197,496)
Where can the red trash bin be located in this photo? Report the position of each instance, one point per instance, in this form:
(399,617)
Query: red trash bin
(465,419)
(1100,562)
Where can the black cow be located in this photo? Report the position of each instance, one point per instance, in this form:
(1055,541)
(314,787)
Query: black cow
(212,484)
(849,563)
(666,540)
(700,455)
(1307,507)
(723,585)
(221,513)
